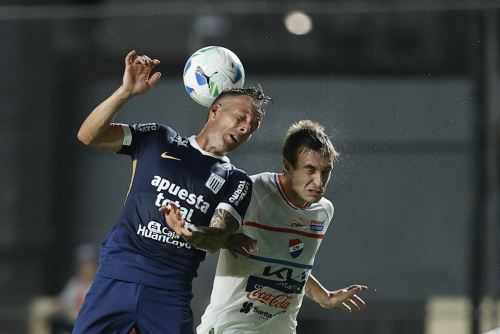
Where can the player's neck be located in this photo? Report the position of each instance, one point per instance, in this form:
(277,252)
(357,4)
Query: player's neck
(204,143)
(291,195)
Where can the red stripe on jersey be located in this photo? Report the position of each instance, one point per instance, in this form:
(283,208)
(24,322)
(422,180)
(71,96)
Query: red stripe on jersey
(285,230)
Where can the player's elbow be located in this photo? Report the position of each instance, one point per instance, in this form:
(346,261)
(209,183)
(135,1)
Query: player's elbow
(84,137)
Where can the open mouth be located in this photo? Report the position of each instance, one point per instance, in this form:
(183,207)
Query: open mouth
(234,139)
(315,192)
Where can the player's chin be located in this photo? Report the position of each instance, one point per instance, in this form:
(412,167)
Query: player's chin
(230,144)
(313,196)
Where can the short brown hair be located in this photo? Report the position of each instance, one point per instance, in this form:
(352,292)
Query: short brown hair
(307,135)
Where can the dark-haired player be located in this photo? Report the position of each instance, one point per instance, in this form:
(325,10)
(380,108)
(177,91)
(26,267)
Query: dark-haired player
(288,217)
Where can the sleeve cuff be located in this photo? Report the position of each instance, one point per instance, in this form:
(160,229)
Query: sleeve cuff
(127,135)
(231,210)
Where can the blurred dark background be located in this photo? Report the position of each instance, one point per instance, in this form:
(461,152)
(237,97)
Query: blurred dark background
(407,89)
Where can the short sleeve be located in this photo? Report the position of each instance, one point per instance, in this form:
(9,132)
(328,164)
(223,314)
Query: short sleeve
(328,208)
(136,136)
(237,196)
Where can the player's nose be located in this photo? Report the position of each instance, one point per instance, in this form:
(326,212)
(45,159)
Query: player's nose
(244,128)
(318,180)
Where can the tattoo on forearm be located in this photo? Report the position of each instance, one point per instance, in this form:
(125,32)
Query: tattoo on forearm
(220,219)
(214,236)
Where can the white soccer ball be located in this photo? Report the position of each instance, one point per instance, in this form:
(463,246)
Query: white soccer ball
(211,70)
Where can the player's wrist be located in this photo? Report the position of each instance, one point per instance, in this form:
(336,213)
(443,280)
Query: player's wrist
(323,298)
(123,93)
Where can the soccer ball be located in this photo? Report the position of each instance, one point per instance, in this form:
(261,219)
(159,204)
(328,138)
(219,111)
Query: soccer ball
(211,70)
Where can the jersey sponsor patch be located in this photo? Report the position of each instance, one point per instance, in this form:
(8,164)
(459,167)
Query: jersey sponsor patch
(166,189)
(180,141)
(269,298)
(215,183)
(288,286)
(317,226)
(245,308)
(248,306)
(265,314)
(239,193)
(295,247)
(156,231)
(146,127)
(297,222)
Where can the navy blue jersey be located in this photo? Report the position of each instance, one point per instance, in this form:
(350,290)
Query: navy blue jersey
(168,168)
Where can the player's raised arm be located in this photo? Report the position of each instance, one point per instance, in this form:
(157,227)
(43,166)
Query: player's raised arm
(346,299)
(97,130)
(210,238)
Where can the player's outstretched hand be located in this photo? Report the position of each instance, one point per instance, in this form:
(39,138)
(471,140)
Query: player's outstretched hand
(175,221)
(346,299)
(241,244)
(137,78)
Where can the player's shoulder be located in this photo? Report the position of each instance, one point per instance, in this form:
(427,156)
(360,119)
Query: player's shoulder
(165,132)
(264,182)
(263,178)
(327,206)
(235,171)
(152,129)
(150,126)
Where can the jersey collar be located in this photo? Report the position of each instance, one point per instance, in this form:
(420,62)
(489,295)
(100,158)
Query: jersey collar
(194,143)
(277,181)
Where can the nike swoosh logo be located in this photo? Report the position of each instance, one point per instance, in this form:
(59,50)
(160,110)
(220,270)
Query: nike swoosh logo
(165,155)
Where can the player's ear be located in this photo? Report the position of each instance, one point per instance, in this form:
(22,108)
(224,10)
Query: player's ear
(286,166)
(214,110)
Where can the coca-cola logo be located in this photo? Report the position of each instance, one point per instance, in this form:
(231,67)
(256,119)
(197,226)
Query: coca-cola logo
(281,301)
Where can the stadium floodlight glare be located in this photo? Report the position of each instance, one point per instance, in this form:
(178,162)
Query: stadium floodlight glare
(297,22)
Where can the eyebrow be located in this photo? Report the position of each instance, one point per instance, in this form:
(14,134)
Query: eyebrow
(309,166)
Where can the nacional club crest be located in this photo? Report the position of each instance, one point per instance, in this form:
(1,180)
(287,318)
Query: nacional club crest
(295,246)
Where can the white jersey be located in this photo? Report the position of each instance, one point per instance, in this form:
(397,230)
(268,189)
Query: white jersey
(263,293)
